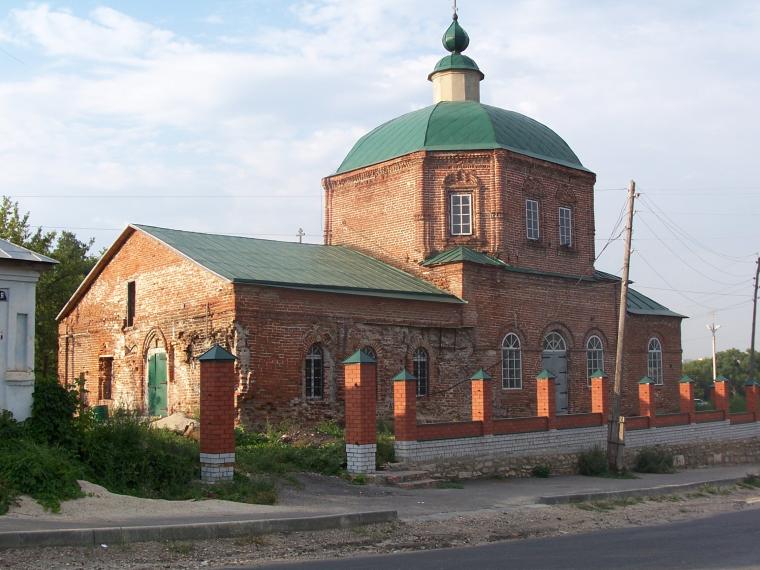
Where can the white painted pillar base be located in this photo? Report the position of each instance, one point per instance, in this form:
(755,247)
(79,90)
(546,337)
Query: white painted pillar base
(360,458)
(217,467)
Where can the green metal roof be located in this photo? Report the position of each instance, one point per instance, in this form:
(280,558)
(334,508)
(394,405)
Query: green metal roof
(459,125)
(461,253)
(545,375)
(403,376)
(333,269)
(481,375)
(456,61)
(638,303)
(216,352)
(646,380)
(360,357)
(455,39)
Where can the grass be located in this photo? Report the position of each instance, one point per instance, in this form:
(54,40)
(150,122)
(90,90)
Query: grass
(654,460)
(751,481)
(609,505)
(453,484)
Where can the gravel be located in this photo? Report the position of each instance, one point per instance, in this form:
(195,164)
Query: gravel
(435,531)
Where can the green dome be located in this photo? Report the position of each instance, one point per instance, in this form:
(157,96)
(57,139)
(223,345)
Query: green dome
(460,125)
(455,61)
(455,39)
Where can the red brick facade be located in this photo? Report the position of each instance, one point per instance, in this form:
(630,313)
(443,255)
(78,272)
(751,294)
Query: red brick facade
(398,212)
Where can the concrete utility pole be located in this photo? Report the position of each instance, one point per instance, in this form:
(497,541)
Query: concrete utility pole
(713,328)
(300,235)
(754,320)
(616,432)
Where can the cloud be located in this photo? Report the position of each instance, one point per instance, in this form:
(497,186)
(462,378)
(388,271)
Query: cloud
(107,35)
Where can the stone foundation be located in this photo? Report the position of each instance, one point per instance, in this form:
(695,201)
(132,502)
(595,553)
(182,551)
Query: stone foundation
(216,467)
(360,458)
(515,455)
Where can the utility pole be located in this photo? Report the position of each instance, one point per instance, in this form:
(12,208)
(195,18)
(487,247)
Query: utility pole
(616,431)
(754,320)
(713,328)
(300,235)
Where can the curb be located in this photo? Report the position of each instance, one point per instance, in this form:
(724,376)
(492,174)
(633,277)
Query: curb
(644,492)
(193,531)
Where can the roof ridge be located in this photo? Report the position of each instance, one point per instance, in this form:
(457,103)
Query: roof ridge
(145,227)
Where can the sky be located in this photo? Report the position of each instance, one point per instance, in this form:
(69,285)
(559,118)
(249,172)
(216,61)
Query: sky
(224,117)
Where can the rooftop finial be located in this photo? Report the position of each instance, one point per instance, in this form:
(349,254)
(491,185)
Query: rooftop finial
(455,39)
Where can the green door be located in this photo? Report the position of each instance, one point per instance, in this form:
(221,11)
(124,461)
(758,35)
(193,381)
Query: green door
(157,384)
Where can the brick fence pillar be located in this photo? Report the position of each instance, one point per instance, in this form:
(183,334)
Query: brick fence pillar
(218,382)
(686,398)
(720,393)
(546,398)
(646,397)
(752,393)
(482,400)
(405,406)
(360,377)
(599,397)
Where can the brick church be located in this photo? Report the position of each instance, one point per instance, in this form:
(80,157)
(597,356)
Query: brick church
(456,237)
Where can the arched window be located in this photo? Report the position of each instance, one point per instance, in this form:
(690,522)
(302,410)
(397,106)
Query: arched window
(594,356)
(369,351)
(511,362)
(420,370)
(554,342)
(654,360)
(314,372)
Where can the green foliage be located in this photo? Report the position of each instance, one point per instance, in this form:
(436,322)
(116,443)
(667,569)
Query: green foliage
(7,497)
(385,427)
(386,450)
(654,460)
(243,489)
(127,456)
(49,474)
(542,471)
(593,462)
(56,285)
(10,429)
(330,428)
(737,404)
(279,458)
(751,481)
(732,363)
(53,409)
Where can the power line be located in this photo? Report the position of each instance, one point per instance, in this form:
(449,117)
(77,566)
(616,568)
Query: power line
(681,293)
(710,293)
(682,260)
(688,236)
(137,196)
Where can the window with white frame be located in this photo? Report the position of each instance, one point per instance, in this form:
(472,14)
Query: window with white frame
(420,370)
(314,372)
(461,214)
(532,230)
(594,356)
(511,363)
(654,360)
(565,227)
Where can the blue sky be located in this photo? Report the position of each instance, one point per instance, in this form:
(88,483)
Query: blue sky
(224,116)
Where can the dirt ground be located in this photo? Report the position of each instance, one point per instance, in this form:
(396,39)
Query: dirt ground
(431,532)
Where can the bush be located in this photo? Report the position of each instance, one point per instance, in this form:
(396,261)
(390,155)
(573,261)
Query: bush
(10,429)
(330,428)
(593,462)
(53,409)
(127,456)
(280,458)
(737,404)
(542,471)
(386,450)
(48,474)
(242,489)
(654,460)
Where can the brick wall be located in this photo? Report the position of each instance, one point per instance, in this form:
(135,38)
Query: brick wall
(398,211)
(180,308)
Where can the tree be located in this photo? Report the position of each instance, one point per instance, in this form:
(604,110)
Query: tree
(732,363)
(56,285)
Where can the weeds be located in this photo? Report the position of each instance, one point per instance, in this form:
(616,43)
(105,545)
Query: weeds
(654,460)
(542,471)
(453,484)
(751,481)
(593,462)
(610,505)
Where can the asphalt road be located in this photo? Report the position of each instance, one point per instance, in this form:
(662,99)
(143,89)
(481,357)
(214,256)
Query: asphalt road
(724,541)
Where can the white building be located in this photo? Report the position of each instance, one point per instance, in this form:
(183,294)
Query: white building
(20,269)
